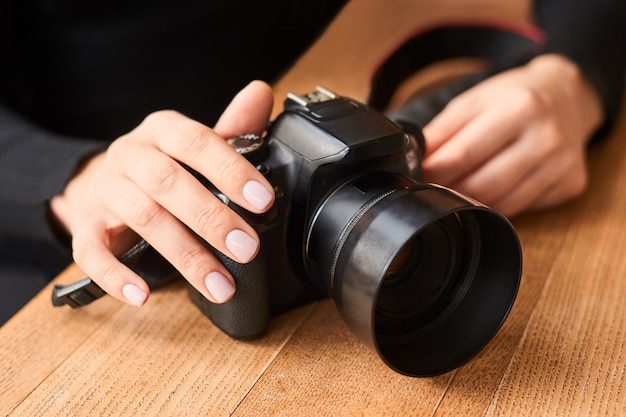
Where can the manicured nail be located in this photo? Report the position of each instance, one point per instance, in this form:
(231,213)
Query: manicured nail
(257,195)
(135,295)
(220,287)
(242,245)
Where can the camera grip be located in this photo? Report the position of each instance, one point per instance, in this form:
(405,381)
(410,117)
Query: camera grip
(246,315)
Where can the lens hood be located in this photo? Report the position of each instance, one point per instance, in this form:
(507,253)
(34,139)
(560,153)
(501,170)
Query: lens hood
(457,288)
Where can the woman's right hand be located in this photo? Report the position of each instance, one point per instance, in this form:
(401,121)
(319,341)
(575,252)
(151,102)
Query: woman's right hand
(138,187)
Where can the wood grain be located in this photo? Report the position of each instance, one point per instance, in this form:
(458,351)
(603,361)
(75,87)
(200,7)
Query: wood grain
(165,357)
(560,353)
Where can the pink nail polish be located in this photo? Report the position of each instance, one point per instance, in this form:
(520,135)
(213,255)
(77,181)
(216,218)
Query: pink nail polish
(135,295)
(257,195)
(220,287)
(242,245)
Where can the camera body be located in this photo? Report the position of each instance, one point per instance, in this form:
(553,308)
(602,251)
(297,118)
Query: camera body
(421,273)
(319,142)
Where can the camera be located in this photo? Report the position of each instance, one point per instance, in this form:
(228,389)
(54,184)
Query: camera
(419,272)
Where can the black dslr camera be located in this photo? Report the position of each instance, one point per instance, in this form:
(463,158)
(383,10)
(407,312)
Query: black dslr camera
(419,272)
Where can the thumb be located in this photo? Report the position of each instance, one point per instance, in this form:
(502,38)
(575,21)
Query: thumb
(248,112)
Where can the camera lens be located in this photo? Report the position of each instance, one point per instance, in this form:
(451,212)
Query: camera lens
(422,274)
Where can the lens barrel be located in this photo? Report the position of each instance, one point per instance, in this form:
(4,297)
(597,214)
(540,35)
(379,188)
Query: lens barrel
(422,274)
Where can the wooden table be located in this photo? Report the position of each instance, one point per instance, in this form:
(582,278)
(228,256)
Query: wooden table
(560,353)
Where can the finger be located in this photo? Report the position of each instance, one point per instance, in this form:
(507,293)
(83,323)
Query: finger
(92,252)
(523,194)
(174,189)
(477,142)
(208,153)
(547,186)
(175,242)
(500,174)
(458,112)
(552,197)
(248,112)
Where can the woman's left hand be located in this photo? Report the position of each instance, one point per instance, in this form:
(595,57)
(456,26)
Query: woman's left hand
(518,140)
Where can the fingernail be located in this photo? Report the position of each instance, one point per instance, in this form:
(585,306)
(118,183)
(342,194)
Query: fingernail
(135,295)
(257,195)
(242,245)
(220,287)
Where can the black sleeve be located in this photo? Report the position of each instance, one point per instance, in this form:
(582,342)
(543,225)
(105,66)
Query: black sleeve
(34,165)
(592,33)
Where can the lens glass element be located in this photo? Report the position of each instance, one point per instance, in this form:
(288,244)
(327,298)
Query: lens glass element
(422,279)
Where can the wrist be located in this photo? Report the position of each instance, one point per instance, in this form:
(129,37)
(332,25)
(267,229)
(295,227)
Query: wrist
(63,206)
(581,96)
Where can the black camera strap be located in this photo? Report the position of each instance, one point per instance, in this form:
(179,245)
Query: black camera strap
(501,47)
(141,258)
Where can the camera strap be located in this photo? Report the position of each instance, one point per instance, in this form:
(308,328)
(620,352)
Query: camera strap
(141,258)
(501,47)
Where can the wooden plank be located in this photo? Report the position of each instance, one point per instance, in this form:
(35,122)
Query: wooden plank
(325,370)
(26,362)
(561,352)
(165,358)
